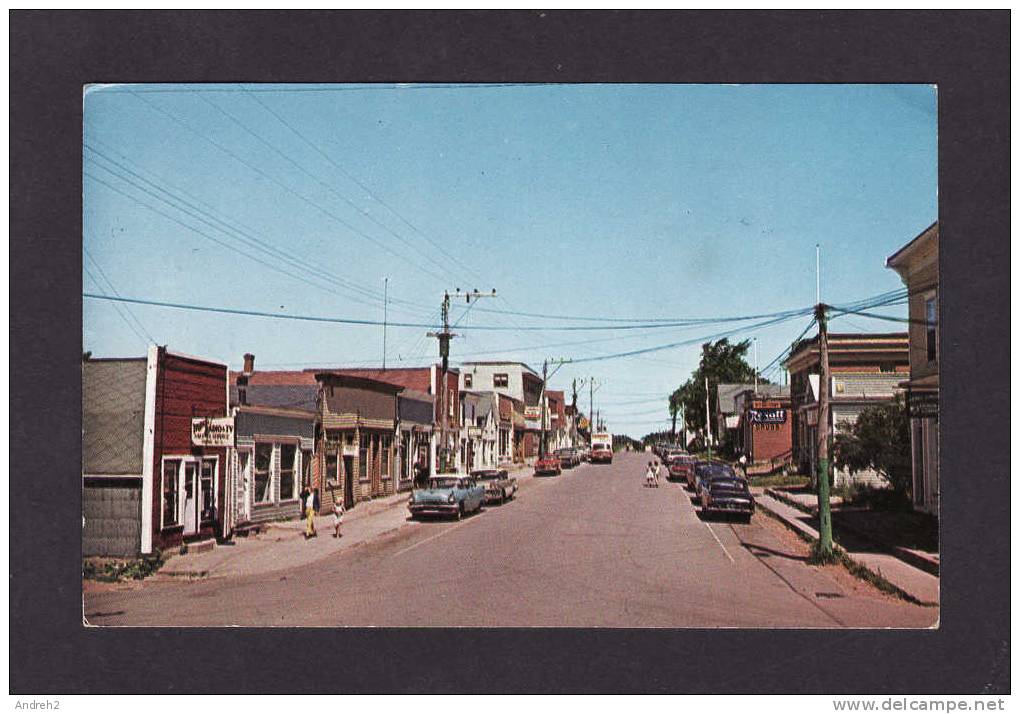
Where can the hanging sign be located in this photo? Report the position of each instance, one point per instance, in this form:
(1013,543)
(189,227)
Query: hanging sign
(209,431)
(532,412)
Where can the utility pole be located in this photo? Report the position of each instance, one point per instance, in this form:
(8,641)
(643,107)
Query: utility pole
(386,295)
(708,422)
(543,402)
(824,513)
(756,366)
(444,338)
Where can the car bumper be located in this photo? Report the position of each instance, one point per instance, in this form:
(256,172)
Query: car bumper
(546,472)
(434,509)
(493,496)
(731,507)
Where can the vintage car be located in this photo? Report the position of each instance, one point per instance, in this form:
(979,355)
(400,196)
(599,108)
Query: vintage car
(447,495)
(699,467)
(569,458)
(720,493)
(601,454)
(499,485)
(548,464)
(679,467)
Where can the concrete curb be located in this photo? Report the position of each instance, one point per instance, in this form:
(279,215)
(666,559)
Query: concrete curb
(808,533)
(917,559)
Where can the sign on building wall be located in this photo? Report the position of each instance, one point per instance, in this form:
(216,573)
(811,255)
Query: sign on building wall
(772,415)
(923,405)
(532,412)
(207,431)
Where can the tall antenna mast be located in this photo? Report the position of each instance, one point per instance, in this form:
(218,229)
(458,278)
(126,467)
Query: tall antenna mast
(386,296)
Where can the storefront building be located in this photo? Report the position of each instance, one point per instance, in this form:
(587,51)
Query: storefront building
(155,440)
(766,429)
(917,264)
(359,427)
(271,463)
(415,411)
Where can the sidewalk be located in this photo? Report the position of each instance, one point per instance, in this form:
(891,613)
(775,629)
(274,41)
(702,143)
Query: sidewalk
(918,557)
(282,544)
(911,581)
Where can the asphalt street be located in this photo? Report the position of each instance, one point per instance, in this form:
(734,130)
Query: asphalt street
(592,547)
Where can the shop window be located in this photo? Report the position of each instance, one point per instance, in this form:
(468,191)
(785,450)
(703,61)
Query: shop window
(931,328)
(263,482)
(208,490)
(288,454)
(306,468)
(500,380)
(171,483)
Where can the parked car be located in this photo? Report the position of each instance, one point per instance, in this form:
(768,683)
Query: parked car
(499,485)
(569,458)
(678,467)
(449,495)
(722,493)
(699,467)
(548,464)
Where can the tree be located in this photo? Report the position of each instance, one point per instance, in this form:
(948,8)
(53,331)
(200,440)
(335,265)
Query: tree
(880,441)
(722,362)
(675,402)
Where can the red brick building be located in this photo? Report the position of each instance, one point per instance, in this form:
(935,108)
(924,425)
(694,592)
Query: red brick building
(767,429)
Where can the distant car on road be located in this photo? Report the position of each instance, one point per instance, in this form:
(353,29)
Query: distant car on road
(569,458)
(723,493)
(499,485)
(548,464)
(449,495)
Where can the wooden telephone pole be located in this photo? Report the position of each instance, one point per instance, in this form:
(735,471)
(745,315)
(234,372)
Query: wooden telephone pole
(444,337)
(542,400)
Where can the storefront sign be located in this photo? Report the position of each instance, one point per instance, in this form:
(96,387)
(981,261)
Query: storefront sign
(768,416)
(350,450)
(532,412)
(923,405)
(474,432)
(206,431)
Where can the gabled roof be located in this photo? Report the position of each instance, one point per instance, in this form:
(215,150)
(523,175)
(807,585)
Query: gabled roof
(417,378)
(894,260)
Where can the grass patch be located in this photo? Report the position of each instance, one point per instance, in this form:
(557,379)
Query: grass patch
(119,570)
(778,480)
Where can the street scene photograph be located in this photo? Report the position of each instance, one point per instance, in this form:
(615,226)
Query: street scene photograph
(510,355)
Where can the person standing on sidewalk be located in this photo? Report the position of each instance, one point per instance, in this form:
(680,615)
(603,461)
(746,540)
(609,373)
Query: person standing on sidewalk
(743,465)
(308,502)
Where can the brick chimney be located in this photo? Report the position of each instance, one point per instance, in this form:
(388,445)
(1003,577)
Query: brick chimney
(249,364)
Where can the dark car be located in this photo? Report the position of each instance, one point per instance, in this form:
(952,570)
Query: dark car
(720,493)
(703,468)
(569,458)
(499,485)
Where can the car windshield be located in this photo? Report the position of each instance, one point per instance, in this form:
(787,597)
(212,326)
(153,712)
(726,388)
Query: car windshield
(485,475)
(437,483)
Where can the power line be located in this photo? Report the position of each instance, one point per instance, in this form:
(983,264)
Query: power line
(282,185)
(120,310)
(241,236)
(353,178)
(325,185)
(233,223)
(113,289)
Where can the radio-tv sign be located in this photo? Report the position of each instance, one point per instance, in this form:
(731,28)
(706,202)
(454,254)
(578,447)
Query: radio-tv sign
(212,432)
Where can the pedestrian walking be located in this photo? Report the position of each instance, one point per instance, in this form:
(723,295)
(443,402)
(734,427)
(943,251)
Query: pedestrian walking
(308,501)
(743,465)
(338,518)
(657,470)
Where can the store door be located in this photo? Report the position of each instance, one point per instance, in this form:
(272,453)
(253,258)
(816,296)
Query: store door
(348,481)
(245,457)
(191,500)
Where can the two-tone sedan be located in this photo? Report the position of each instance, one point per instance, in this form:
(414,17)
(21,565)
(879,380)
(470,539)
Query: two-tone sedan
(569,458)
(499,485)
(725,493)
(449,495)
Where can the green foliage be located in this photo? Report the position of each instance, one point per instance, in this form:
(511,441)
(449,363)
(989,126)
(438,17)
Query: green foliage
(115,571)
(723,363)
(879,440)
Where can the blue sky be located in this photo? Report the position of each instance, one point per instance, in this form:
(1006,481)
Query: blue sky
(630,201)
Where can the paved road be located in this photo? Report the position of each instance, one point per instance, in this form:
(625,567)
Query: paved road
(589,548)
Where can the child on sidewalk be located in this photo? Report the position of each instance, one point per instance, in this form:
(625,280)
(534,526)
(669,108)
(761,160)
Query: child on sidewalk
(338,518)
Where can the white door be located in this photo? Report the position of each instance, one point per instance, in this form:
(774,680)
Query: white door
(245,464)
(190,498)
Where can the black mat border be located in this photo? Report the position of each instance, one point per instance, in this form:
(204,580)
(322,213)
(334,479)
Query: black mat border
(54,53)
